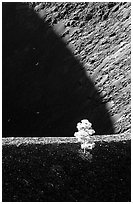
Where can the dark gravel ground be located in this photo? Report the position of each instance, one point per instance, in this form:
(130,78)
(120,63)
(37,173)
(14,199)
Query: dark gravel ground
(63,62)
(60,172)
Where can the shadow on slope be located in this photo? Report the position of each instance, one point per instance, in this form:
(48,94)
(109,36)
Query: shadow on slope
(45,89)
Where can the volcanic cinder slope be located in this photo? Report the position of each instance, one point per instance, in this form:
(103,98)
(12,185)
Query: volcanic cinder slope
(63,62)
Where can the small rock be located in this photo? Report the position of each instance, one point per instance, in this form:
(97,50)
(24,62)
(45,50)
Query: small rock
(115,118)
(76,18)
(105,16)
(72,22)
(109,105)
(115,8)
(103,93)
(111,4)
(112,34)
(37,64)
(38,7)
(81,24)
(126,14)
(88,17)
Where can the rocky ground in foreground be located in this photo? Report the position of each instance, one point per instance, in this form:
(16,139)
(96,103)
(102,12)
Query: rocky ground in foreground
(98,35)
(62,173)
(49,140)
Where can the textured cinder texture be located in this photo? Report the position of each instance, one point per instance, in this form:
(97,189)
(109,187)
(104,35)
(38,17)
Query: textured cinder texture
(63,62)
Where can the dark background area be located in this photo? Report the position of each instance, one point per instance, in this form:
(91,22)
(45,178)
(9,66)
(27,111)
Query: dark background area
(45,88)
